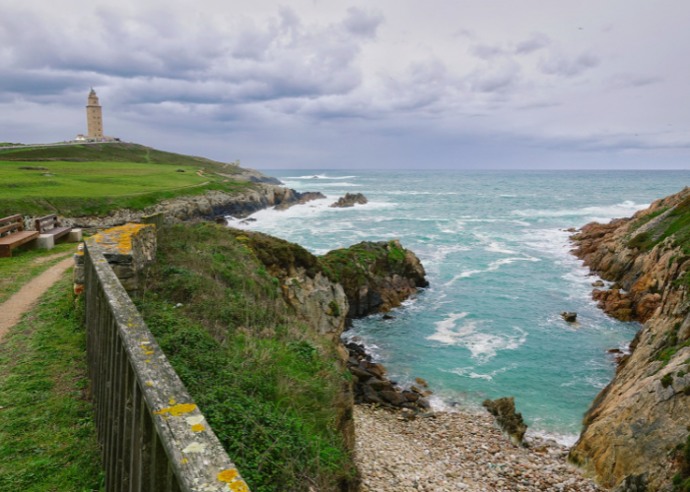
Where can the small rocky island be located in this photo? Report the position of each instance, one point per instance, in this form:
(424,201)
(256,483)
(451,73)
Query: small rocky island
(350,200)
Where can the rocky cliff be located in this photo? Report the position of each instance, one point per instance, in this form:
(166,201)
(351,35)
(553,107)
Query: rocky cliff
(376,276)
(320,302)
(635,431)
(207,206)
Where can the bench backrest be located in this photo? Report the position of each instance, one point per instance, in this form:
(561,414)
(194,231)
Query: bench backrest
(10,223)
(46,223)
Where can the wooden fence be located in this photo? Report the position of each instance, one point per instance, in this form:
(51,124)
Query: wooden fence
(152,435)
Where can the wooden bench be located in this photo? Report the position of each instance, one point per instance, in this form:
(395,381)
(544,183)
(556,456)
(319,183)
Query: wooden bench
(50,225)
(14,239)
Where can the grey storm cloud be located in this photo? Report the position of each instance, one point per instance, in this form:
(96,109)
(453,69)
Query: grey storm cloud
(318,77)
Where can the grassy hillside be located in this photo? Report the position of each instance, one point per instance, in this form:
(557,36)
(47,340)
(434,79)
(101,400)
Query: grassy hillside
(267,384)
(97,178)
(116,152)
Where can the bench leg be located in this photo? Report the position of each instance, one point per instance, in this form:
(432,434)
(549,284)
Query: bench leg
(5,251)
(44,241)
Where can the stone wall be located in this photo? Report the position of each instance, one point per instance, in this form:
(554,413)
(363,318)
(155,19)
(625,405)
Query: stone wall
(128,249)
(151,433)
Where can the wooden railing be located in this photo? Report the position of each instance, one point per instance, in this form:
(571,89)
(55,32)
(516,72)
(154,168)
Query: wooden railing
(152,435)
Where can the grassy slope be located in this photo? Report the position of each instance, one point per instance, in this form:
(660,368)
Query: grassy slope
(47,436)
(24,265)
(116,176)
(265,383)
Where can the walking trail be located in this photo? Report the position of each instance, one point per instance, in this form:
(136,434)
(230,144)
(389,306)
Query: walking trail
(20,303)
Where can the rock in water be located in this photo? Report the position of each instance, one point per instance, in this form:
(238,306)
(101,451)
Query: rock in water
(598,283)
(569,317)
(504,411)
(350,200)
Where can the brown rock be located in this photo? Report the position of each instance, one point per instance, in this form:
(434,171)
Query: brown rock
(504,411)
(350,200)
(379,385)
(411,395)
(375,368)
(361,374)
(393,397)
(421,382)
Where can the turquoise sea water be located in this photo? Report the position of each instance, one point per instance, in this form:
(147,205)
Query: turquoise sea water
(496,253)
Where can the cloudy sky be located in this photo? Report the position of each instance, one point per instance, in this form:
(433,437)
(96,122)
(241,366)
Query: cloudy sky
(438,84)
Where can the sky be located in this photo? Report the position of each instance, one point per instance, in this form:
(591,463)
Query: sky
(349,84)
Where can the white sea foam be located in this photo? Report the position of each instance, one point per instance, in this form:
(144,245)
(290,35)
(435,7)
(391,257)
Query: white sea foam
(495,247)
(483,346)
(493,266)
(469,372)
(625,209)
(320,176)
(564,439)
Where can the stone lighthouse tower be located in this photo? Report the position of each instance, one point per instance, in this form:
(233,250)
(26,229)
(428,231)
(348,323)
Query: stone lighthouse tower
(94,120)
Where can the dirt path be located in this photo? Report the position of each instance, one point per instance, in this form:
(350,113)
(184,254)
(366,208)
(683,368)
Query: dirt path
(44,259)
(13,308)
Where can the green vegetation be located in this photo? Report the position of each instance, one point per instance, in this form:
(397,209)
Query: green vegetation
(351,266)
(670,346)
(26,264)
(334,309)
(47,436)
(269,387)
(115,152)
(98,178)
(667,380)
(681,480)
(277,254)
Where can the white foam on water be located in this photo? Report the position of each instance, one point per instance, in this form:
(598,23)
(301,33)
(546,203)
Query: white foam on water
(564,439)
(469,372)
(483,346)
(625,209)
(320,176)
(495,247)
(493,266)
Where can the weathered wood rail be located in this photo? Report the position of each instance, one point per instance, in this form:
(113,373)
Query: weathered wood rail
(152,435)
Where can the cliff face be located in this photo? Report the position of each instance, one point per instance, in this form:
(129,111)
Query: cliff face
(321,303)
(633,430)
(207,206)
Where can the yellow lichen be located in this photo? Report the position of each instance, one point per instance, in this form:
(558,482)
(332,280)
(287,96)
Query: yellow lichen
(171,401)
(149,352)
(228,475)
(198,428)
(239,486)
(184,461)
(177,410)
(149,383)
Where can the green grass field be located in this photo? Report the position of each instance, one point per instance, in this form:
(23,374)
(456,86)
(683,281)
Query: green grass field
(95,179)
(47,435)
(87,179)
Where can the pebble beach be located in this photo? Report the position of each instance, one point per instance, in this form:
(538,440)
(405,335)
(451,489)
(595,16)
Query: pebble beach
(448,452)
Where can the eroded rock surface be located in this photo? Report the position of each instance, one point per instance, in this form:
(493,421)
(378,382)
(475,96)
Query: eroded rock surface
(633,428)
(503,409)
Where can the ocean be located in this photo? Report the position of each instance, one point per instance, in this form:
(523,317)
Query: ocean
(496,252)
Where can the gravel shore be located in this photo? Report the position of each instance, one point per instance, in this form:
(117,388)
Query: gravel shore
(455,452)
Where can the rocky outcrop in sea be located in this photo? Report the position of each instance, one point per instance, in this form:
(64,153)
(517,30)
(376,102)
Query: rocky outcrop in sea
(376,276)
(635,432)
(350,200)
